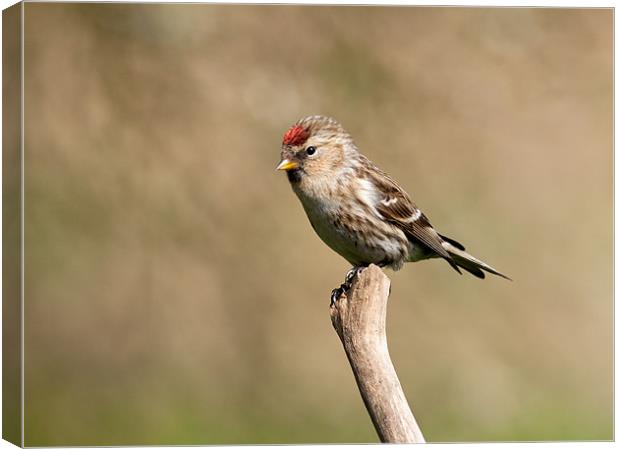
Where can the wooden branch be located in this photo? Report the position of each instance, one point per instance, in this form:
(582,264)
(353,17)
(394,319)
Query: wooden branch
(359,319)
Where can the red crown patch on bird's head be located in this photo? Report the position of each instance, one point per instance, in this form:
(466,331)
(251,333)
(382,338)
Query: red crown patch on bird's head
(295,136)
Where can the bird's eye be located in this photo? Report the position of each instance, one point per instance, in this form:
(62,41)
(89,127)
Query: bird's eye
(310,151)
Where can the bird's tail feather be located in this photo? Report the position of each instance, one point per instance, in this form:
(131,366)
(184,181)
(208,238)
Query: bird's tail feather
(466,261)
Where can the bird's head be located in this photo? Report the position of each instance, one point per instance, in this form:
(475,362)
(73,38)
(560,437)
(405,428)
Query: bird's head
(315,147)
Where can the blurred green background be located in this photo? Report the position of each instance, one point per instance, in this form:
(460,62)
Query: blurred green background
(175,292)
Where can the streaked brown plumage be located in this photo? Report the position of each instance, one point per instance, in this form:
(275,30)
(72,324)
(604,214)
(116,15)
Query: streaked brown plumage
(356,208)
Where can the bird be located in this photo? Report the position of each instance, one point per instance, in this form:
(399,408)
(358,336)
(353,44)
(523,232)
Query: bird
(357,209)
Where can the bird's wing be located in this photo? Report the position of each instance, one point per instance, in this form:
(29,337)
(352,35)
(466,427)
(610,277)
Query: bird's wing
(395,206)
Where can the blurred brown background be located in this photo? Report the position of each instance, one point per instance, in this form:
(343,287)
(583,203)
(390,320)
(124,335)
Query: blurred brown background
(175,293)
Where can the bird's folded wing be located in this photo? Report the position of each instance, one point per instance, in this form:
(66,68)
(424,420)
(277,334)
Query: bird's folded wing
(396,207)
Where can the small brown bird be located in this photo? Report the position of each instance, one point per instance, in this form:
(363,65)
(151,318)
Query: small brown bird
(357,209)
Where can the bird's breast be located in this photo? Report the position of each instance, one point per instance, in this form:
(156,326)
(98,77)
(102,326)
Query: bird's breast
(324,215)
(359,237)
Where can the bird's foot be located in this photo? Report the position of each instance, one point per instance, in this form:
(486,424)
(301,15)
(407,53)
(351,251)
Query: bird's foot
(352,273)
(338,292)
(346,286)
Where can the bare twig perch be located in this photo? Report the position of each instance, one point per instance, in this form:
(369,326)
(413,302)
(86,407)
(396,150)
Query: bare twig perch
(359,318)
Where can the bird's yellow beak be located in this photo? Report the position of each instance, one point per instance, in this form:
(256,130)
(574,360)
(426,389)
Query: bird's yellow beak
(287,165)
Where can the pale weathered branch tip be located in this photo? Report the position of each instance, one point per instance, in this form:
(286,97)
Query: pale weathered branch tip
(358,317)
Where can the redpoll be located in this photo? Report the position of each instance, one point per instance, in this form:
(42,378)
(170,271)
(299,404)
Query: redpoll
(357,209)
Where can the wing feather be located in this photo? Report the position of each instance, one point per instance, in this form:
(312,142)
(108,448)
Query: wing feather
(396,207)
